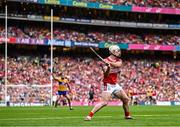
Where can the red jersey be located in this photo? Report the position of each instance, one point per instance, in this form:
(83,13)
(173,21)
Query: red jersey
(113,74)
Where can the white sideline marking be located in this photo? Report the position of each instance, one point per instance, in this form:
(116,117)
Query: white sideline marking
(151,115)
(98,126)
(44,118)
(77,117)
(158,115)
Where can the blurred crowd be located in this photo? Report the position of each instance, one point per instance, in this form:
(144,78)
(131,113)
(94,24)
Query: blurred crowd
(29,78)
(93,35)
(142,3)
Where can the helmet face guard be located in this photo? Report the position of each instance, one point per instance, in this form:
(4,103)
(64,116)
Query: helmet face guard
(115,50)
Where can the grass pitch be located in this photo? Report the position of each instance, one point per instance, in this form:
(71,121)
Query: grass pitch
(144,116)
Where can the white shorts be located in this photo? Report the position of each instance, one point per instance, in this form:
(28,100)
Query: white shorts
(111,88)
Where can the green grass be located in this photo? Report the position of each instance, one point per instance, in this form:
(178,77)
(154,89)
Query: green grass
(154,116)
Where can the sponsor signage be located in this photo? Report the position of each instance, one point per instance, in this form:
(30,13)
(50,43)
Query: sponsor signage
(30,41)
(86,44)
(128,24)
(107,44)
(122,8)
(36,41)
(105,6)
(56,42)
(79,4)
(156,10)
(160,25)
(68,43)
(151,47)
(60,43)
(52,1)
(174,26)
(9,40)
(178,48)
(22,40)
(83,20)
(144,25)
(68,19)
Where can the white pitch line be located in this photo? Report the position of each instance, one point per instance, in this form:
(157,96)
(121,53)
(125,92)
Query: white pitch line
(77,117)
(158,115)
(97,126)
(44,118)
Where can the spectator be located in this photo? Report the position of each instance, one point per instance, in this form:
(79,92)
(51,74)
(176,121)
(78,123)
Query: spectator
(136,76)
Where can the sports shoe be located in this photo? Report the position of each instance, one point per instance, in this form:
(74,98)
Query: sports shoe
(128,117)
(88,118)
(71,108)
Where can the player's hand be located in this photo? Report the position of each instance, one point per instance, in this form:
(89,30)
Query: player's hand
(107,64)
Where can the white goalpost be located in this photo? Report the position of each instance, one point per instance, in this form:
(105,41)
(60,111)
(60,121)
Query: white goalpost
(51,55)
(48,88)
(5,96)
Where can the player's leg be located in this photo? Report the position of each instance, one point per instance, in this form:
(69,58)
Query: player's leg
(125,99)
(90,101)
(69,101)
(58,99)
(105,98)
(56,103)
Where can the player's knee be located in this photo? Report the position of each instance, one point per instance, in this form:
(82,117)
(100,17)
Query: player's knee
(126,100)
(104,103)
(68,98)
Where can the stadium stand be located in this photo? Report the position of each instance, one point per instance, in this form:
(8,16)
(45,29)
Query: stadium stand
(137,76)
(84,34)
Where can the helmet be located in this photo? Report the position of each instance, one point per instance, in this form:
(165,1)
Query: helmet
(113,49)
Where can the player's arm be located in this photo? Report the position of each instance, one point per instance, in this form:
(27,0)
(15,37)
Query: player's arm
(106,72)
(116,64)
(105,69)
(68,86)
(55,78)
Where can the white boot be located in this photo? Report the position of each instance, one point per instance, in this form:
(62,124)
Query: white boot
(88,118)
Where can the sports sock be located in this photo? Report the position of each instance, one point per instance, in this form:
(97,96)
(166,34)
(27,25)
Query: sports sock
(127,113)
(91,114)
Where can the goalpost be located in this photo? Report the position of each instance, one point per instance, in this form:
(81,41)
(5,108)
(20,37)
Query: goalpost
(5,96)
(7,86)
(51,55)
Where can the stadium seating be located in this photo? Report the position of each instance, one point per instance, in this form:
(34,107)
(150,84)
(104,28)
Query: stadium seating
(137,75)
(94,36)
